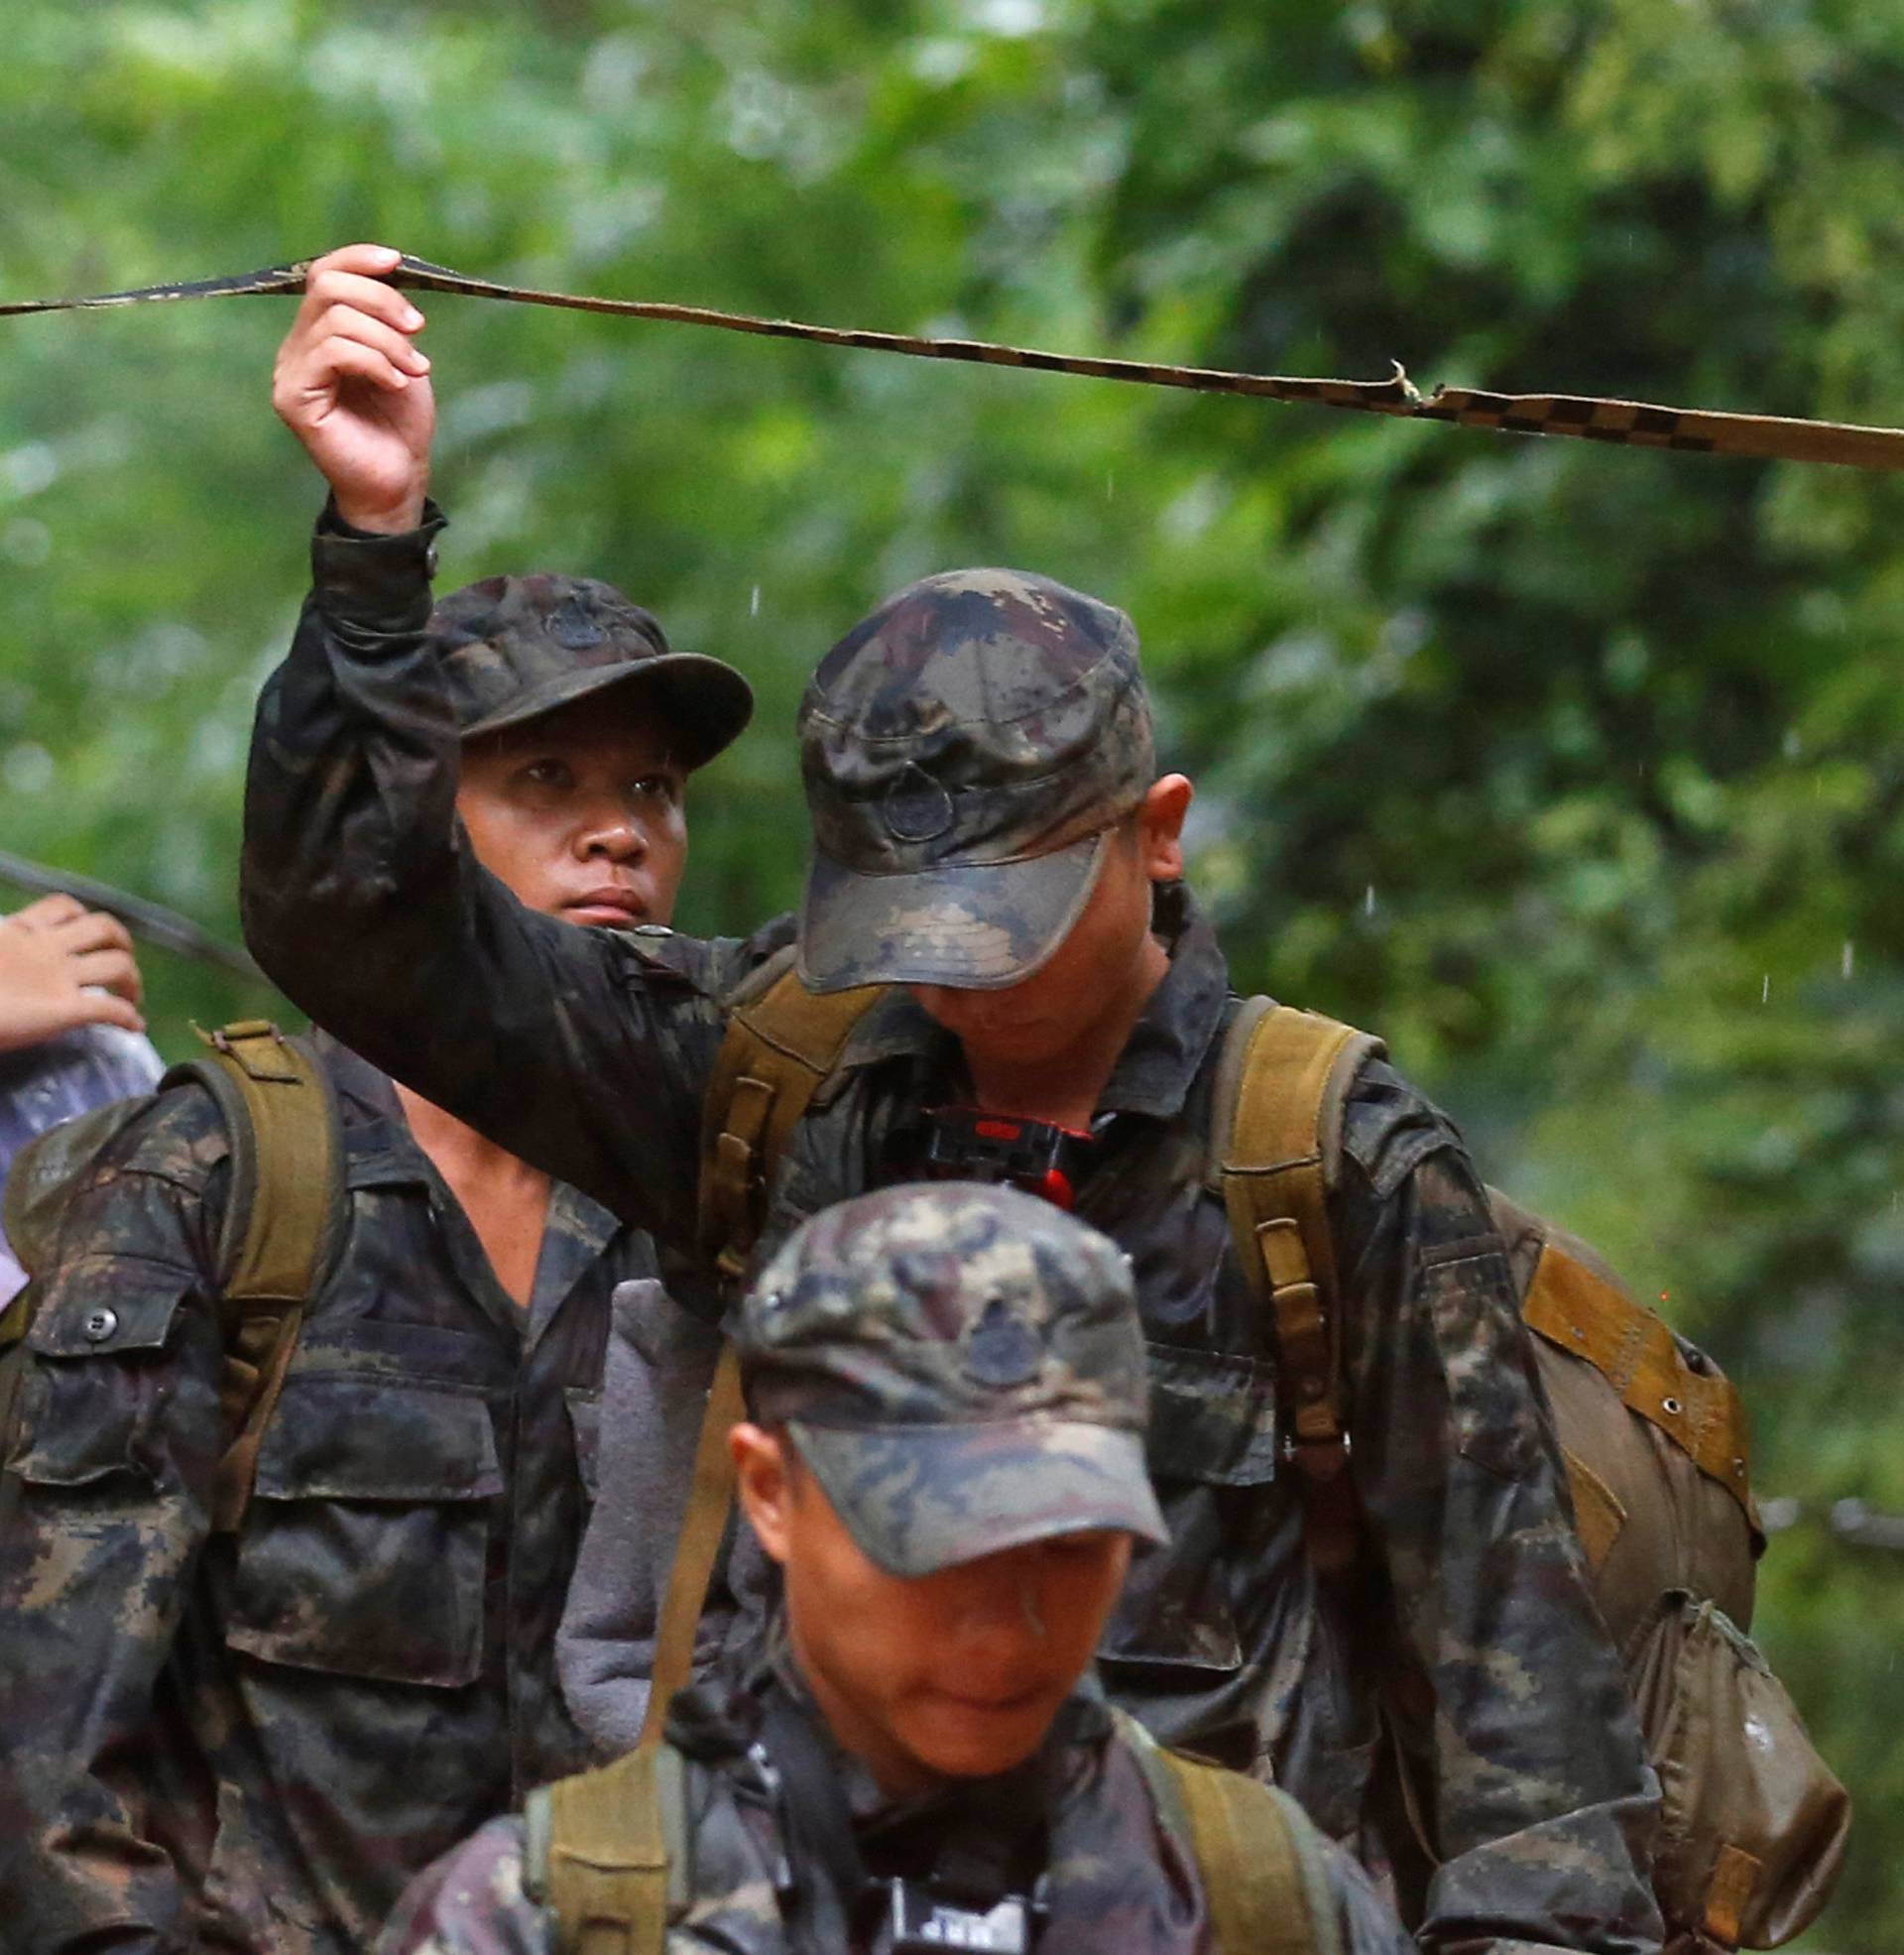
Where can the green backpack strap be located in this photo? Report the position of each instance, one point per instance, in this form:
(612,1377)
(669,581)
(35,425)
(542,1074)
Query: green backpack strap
(782,1043)
(1264,1871)
(607,1853)
(1282,1080)
(284,1220)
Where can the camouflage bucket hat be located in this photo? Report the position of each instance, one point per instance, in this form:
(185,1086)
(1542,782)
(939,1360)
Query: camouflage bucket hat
(515,648)
(963,751)
(962,1368)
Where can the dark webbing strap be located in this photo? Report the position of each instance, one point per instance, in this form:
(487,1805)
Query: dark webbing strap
(1629,423)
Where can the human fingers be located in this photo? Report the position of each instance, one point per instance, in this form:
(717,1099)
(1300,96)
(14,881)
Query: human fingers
(107,1008)
(112,970)
(348,322)
(372,260)
(346,359)
(371,295)
(92,929)
(46,911)
(347,275)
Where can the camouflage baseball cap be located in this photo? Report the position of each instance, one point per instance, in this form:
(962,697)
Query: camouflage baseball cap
(964,749)
(515,648)
(962,1368)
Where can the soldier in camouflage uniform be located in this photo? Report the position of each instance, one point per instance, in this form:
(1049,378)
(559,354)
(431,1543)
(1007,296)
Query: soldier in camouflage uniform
(994,841)
(949,1388)
(251,1743)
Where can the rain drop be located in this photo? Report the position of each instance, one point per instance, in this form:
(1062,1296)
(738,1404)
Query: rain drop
(1110,485)
(1368,900)
(1765,990)
(754,603)
(1844,961)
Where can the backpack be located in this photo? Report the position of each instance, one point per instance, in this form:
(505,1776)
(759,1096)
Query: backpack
(609,1852)
(284,1225)
(1654,1435)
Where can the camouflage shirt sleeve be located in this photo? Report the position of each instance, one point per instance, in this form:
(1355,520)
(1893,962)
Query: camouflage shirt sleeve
(471,1903)
(1365,1924)
(104,1506)
(1509,1694)
(585,1051)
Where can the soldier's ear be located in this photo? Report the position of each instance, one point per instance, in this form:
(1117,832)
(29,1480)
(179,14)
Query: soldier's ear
(1160,826)
(764,1484)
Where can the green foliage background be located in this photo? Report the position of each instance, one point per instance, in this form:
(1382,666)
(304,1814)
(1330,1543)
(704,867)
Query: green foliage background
(1577,772)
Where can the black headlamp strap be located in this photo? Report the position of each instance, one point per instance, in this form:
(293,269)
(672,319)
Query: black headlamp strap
(819,1825)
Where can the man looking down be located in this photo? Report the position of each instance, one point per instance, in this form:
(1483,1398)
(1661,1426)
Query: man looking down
(944,1453)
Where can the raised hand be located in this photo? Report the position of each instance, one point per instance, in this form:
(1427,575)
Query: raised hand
(355,391)
(64,965)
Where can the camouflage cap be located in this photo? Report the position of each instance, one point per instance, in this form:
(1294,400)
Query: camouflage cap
(964,749)
(961,1366)
(515,648)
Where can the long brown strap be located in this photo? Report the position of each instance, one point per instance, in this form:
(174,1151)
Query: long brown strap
(708,1499)
(1275,1085)
(1592,417)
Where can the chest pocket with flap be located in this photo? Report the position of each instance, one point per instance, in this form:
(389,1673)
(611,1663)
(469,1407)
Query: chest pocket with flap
(365,1547)
(90,1389)
(1213,1428)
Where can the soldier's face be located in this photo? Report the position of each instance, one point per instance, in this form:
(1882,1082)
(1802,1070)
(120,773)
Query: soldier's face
(956,1675)
(580,812)
(1102,960)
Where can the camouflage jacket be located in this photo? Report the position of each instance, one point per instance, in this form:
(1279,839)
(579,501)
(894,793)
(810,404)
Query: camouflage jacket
(251,1744)
(1525,1754)
(1118,1877)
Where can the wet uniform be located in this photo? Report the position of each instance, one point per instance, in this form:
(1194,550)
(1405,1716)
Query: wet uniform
(251,1744)
(1538,1796)
(1119,1878)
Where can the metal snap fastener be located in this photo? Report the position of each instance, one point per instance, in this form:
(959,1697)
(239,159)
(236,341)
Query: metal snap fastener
(100,1324)
(1671,1406)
